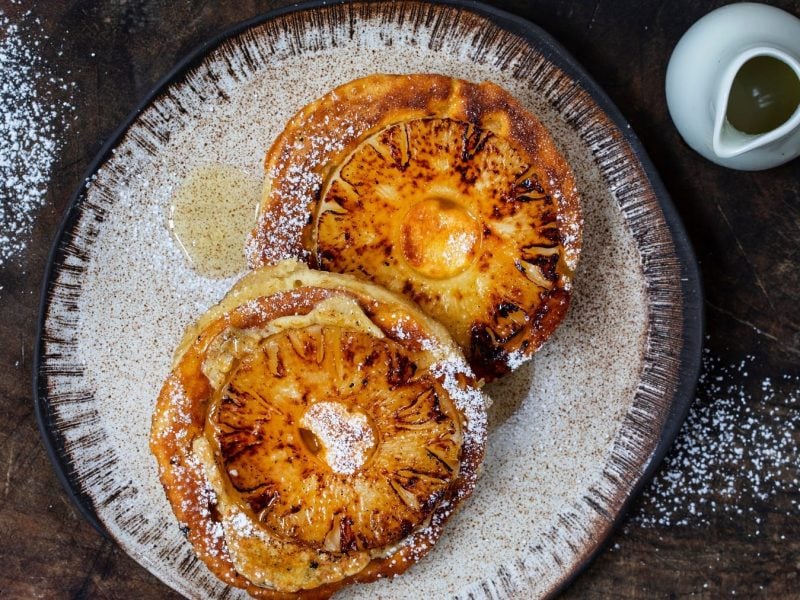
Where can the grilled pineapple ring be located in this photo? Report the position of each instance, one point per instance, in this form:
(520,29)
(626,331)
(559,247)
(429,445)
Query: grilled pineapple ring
(446,191)
(315,431)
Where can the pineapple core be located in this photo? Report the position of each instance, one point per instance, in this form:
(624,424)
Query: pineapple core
(343,438)
(440,239)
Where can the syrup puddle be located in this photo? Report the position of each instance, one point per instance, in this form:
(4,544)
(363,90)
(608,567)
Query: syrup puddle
(210,216)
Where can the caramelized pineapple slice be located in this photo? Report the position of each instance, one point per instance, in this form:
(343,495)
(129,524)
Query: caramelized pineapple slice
(456,218)
(333,441)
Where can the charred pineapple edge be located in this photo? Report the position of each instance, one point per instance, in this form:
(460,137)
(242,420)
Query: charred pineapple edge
(186,485)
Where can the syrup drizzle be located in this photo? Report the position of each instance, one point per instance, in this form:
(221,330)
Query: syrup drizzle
(210,215)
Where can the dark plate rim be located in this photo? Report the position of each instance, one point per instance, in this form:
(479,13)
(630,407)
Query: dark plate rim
(553,51)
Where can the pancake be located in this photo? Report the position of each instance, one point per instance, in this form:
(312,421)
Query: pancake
(446,191)
(315,431)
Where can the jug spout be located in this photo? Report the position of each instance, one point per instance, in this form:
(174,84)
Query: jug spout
(758,103)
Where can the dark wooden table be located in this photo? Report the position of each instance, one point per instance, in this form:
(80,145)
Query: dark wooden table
(722,517)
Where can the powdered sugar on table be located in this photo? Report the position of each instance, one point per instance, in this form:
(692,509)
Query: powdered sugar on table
(31,125)
(739,447)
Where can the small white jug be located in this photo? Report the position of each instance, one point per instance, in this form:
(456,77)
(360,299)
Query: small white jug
(703,71)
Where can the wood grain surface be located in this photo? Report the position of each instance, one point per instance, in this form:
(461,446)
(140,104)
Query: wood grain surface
(745,228)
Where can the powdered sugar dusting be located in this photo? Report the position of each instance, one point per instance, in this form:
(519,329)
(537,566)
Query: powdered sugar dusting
(277,235)
(241,523)
(30,129)
(346,437)
(738,449)
(514,360)
(212,529)
(469,400)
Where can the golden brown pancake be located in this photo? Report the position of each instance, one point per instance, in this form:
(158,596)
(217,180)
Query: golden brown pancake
(446,191)
(315,430)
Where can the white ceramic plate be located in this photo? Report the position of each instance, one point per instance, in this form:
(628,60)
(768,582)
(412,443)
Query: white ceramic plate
(573,434)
